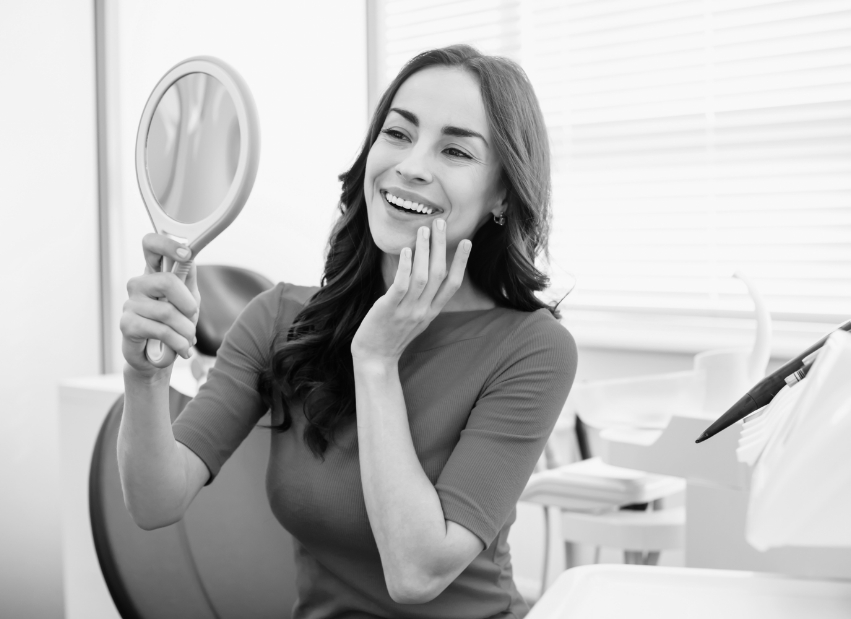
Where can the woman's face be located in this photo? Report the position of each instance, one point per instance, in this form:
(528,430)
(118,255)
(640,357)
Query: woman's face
(434,150)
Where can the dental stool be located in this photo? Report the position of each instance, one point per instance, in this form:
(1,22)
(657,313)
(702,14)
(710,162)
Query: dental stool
(228,558)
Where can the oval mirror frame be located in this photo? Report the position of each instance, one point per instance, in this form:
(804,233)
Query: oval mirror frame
(199,233)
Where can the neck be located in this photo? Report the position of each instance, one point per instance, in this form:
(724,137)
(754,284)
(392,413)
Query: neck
(468,297)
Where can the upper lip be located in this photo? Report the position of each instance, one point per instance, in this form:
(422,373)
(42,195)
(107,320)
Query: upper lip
(410,195)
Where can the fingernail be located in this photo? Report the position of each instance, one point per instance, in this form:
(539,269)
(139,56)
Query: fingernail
(426,233)
(182,252)
(466,245)
(441,224)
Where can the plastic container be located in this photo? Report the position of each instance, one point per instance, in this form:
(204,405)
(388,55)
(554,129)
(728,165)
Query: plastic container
(639,402)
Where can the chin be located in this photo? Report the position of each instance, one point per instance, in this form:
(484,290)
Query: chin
(390,239)
(389,245)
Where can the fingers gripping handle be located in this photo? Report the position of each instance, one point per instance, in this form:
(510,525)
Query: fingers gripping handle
(159,354)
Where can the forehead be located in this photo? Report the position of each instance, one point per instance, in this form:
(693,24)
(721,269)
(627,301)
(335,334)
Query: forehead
(442,96)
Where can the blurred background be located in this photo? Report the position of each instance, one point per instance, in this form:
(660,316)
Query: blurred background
(691,139)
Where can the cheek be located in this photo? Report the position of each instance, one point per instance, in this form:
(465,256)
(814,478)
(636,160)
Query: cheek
(369,176)
(378,161)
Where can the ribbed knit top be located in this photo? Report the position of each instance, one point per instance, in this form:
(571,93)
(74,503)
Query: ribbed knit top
(483,390)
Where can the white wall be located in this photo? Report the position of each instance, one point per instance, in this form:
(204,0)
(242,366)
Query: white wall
(49,309)
(305,64)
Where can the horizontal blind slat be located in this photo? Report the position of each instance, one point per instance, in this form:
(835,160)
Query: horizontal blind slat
(690,139)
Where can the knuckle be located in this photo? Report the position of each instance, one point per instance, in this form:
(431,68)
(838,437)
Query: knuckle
(162,311)
(419,282)
(161,332)
(124,324)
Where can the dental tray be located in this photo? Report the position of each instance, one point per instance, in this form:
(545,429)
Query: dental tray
(593,484)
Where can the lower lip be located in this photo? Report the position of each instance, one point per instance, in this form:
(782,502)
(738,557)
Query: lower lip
(404,215)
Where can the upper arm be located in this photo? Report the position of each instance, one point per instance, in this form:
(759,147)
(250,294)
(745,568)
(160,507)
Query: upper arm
(196,473)
(228,405)
(499,447)
(508,428)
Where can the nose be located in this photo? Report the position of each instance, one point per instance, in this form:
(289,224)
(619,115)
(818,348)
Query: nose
(414,168)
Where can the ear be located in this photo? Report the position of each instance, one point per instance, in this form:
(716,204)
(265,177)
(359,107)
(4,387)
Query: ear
(501,199)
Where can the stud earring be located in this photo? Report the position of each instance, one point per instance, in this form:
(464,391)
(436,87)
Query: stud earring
(499,221)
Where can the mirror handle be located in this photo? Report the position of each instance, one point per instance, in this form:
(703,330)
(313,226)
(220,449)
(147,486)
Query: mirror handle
(161,355)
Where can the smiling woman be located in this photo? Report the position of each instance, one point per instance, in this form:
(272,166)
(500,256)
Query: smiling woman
(411,393)
(433,150)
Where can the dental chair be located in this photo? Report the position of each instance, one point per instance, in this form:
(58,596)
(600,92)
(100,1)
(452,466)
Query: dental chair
(228,558)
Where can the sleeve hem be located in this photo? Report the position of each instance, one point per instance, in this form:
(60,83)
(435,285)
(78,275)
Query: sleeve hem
(193,441)
(469,517)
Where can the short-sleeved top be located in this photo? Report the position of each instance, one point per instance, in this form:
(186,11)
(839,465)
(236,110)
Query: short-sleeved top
(483,390)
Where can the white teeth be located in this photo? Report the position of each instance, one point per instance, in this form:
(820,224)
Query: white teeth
(408,204)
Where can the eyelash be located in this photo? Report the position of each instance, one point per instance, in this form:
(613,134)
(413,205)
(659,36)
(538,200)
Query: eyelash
(398,135)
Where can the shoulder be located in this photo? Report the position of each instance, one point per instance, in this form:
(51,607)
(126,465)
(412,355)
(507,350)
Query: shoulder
(287,300)
(542,323)
(293,293)
(265,311)
(519,327)
(540,338)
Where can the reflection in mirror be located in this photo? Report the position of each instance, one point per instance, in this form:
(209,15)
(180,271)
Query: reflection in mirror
(192,148)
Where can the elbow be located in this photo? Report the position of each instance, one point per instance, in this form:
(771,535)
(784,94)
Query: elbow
(414,588)
(153,525)
(150,522)
(147,512)
(147,518)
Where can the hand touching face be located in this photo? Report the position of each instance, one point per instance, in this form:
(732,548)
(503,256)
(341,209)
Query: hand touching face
(422,286)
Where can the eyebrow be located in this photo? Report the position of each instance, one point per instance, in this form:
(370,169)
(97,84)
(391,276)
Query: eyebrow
(458,132)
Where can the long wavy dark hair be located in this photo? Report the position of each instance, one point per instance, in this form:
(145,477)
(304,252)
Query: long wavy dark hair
(314,363)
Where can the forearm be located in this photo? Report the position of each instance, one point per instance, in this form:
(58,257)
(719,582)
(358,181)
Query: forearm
(151,467)
(403,506)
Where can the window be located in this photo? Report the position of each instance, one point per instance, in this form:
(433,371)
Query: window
(691,139)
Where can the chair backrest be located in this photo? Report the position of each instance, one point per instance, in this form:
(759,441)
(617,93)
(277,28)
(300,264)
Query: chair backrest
(225,291)
(229,558)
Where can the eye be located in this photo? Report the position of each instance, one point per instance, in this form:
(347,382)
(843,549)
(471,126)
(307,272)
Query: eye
(454,152)
(394,134)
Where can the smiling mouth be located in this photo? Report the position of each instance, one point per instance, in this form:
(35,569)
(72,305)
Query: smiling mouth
(407,206)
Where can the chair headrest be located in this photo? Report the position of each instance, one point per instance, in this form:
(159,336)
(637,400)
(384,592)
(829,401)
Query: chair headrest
(225,291)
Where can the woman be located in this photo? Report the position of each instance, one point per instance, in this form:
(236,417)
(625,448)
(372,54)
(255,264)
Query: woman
(411,403)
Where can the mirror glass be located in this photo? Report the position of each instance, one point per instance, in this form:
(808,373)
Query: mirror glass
(192,148)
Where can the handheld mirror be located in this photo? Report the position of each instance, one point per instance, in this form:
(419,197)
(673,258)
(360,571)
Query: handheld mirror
(197,152)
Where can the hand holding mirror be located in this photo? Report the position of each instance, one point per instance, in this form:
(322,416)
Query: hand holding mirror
(197,152)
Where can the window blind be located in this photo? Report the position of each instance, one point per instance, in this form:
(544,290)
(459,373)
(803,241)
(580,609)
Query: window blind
(690,139)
